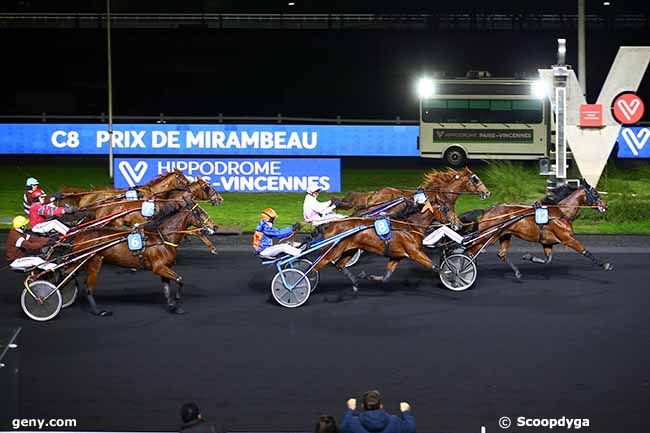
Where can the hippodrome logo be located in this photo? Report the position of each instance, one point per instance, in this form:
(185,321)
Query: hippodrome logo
(245,176)
(635,140)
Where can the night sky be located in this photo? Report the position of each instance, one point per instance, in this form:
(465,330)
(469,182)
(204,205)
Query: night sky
(321,73)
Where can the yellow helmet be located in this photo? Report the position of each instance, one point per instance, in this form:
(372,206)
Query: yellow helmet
(268,214)
(20,221)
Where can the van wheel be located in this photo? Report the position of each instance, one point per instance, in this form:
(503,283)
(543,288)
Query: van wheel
(455,157)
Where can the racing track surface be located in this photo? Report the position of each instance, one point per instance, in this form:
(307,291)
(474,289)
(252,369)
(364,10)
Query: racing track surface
(570,341)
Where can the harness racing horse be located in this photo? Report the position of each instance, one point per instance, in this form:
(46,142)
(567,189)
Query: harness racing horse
(563,207)
(158,254)
(161,183)
(406,241)
(196,191)
(434,182)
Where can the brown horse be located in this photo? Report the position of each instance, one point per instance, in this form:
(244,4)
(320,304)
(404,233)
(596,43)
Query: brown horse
(162,237)
(406,241)
(161,183)
(563,207)
(434,182)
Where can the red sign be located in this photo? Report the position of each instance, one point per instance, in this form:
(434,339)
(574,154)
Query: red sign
(591,115)
(628,108)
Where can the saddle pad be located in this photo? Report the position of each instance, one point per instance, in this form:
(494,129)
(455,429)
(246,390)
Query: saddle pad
(148,209)
(131,195)
(135,241)
(541,215)
(382,228)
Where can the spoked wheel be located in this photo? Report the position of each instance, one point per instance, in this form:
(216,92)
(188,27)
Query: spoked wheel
(69,292)
(295,292)
(46,302)
(457,272)
(354,259)
(303,266)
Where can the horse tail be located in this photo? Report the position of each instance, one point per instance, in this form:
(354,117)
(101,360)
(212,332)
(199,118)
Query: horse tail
(470,220)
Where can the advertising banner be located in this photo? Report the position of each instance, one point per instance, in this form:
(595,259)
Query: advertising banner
(210,140)
(236,174)
(634,142)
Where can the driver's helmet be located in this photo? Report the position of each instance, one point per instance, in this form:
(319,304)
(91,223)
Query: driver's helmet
(268,214)
(36,194)
(19,222)
(312,188)
(31,182)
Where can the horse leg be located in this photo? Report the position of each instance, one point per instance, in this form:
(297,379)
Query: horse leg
(167,274)
(571,242)
(207,242)
(338,257)
(92,268)
(390,268)
(548,253)
(504,244)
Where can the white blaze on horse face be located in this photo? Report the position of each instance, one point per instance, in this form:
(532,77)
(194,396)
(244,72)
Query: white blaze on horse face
(591,147)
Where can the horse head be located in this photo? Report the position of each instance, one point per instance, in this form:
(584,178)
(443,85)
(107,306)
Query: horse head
(198,217)
(592,198)
(207,192)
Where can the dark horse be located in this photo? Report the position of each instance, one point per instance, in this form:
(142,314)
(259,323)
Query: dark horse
(563,207)
(162,237)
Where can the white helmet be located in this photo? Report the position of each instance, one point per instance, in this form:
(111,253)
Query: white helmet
(31,182)
(312,188)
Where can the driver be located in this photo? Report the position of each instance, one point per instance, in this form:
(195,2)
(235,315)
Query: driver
(39,211)
(265,232)
(22,244)
(316,212)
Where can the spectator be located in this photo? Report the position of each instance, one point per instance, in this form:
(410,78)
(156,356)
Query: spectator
(326,424)
(374,418)
(193,420)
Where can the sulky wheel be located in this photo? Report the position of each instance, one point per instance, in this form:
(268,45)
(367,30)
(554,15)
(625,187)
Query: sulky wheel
(303,266)
(43,303)
(457,272)
(69,292)
(354,259)
(295,292)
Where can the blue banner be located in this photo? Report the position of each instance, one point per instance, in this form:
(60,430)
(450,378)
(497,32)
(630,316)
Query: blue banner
(210,140)
(634,142)
(236,174)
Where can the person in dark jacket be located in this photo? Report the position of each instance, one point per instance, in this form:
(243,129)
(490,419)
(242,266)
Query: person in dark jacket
(326,424)
(193,420)
(374,419)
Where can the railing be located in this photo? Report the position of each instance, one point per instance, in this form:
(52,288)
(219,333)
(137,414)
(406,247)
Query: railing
(473,21)
(220,118)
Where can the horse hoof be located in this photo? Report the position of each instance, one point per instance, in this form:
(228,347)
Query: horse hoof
(527,256)
(105,313)
(362,275)
(608,267)
(214,252)
(355,289)
(518,275)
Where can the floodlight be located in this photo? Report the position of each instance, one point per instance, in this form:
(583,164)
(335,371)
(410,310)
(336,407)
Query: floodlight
(425,88)
(539,89)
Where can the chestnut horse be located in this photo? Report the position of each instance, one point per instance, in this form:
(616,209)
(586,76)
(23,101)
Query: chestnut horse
(563,207)
(164,182)
(434,182)
(406,241)
(162,237)
(197,191)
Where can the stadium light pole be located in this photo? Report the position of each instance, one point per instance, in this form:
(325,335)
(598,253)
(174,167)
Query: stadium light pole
(110,88)
(582,55)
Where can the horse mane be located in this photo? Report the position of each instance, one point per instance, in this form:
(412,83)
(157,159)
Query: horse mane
(557,194)
(162,176)
(433,178)
(165,209)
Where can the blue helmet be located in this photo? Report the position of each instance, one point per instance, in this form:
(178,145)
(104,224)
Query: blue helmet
(31,182)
